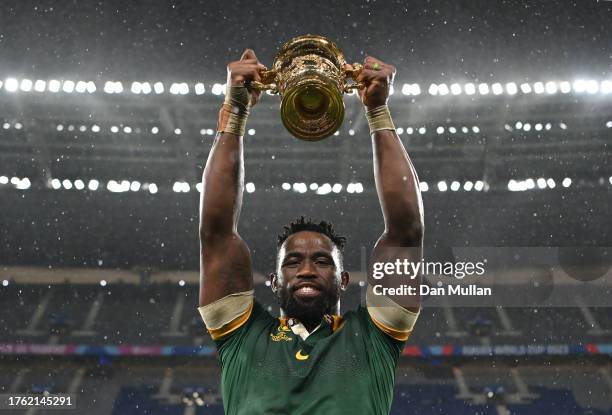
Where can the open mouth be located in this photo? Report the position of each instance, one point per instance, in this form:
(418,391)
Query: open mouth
(307,291)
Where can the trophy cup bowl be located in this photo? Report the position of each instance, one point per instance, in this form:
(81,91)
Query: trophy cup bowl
(310,76)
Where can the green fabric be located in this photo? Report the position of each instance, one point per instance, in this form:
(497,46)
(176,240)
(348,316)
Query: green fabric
(350,371)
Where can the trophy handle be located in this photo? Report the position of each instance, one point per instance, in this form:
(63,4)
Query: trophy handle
(353,74)
(268,79)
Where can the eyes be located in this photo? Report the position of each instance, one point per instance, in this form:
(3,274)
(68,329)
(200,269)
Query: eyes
(320,262)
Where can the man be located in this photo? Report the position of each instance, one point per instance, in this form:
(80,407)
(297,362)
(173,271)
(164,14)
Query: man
(310,360)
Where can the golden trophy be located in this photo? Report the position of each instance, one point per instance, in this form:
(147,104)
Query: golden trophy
(310,76)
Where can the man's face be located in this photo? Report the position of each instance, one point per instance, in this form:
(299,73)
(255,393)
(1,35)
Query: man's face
(309,279)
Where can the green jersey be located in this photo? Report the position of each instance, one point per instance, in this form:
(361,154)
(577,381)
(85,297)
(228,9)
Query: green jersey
(345,366)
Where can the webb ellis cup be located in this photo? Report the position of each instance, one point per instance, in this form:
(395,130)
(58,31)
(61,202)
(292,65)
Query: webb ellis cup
(310,76)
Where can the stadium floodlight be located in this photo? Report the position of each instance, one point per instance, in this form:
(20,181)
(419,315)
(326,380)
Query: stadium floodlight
(91,87)
(440,130)
(538,127)
(71,127)
(609,124)
(95,128)
(530,183)
(548,126)
(199,187)
(286,186)
(300,187)
(518,125)
(527,127)
(127,129)
(152,188)
(82,128)
(525,88)
(465,130)
(136,88)
(67,184)
(135,186)
(399,130)
(443,89)
(26,85)
(350,188)
(108,87)
(468,186)
(592,86)
(541,182)
(551,183)
(15,180)
(5,283)
(6,126)
(351,131)
(251,131)
(81,87)
(313,186)
(177,131)
(117,87)
(409,130)
(56,184)
(337,188)
(203,131)
(455,185)
(158,87)
(422,130)
(23,184)
(455,89)
(452,130)
(146,88)
(1,83)
(358,187)
(416,89)
(406,89)
(18,126)
(4,180)
(181,283)
(103,283)
(54,85)
(538,88)
(324,189)
(78,184)
(217,89)
(563,126)
(114,129)
(250,187)
(511,88)
(68,86)
(551,87)
(11,84)
(423,186)
(476,129)
(442,186)
(154,130)
(39,85)
(579,86)
(469,88)
(479,185)
(93,185)
(433,89)
(606,87)
(483,89)
(199,88)
(497,88)
(565,87)
(567,182)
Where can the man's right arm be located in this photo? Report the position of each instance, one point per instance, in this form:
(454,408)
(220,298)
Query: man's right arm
(225,261)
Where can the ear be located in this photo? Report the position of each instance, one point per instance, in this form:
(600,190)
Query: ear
(273,278)
(344,280)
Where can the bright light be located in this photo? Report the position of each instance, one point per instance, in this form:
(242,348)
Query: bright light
(479,186)
(81,87)
(180,187)
(217,89)
(442,186)
(103,283)
(18,126)
(497,88)
(548,126)
(324,189)
(455,186)
(67,184)
(440,130)
(467,186)
(565,87)
(423,186)
(541,182)
(152,188)
(529,183)
(337,188)
(199,187)
(136,88)
(358,188)
(181,283)
(93,185)
(300,187)
(68,86)
(580,86)
(422,130)
(251,131)
(23,184)
(606,87)
(443,89)
(154,130)
(465,130)
(399,130)
(39,85)
(114,129)
(551,87)
(286,186)
(26,85)
(538,127)
(6,126)
(78,183)
(5,283)
(455,89)
(538,88)
(250,187)
(314,186)
(95,128)
(56,184)
(609,124)
(511,88)
(117,87)
(127,129)
(199,88)
(350,188)
(592,87)
(470,89)
(567,182)
(527,126)
(113,186)
(409,130)
(563,126)
(135,186)
(146,88)
(177,131)
(526,88)
(483,89)
(476,129)
(158,88)
(433,89)
(516,186)
(452,130)
(11,84)
(54,85)
(351,131)
(551,183)
(3,180)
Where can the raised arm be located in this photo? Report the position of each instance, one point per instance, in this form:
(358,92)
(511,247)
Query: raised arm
(225,260)
(397,183)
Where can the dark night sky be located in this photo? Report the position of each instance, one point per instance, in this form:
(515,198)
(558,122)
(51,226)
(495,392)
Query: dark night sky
(188,40)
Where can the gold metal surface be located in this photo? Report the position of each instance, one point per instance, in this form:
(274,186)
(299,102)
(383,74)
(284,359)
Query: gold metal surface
(310,76)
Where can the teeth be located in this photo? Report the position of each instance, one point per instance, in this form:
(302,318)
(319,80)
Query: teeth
(306,290)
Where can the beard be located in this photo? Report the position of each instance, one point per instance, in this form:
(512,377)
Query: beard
(310,311)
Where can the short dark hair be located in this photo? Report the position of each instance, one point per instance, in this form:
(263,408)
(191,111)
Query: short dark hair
(303,224)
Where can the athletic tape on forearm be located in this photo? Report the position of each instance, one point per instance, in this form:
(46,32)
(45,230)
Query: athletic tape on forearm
(234,112)
(221,312)
(389,313)
(379,118)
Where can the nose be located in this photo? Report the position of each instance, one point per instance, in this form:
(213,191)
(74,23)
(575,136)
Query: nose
(307,270)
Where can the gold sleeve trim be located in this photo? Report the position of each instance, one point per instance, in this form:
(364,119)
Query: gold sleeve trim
(233,325)
(396,334)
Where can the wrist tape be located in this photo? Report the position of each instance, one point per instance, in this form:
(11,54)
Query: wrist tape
(379,118)
(234,112)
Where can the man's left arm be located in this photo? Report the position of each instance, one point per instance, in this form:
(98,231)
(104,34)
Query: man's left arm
(398,191)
